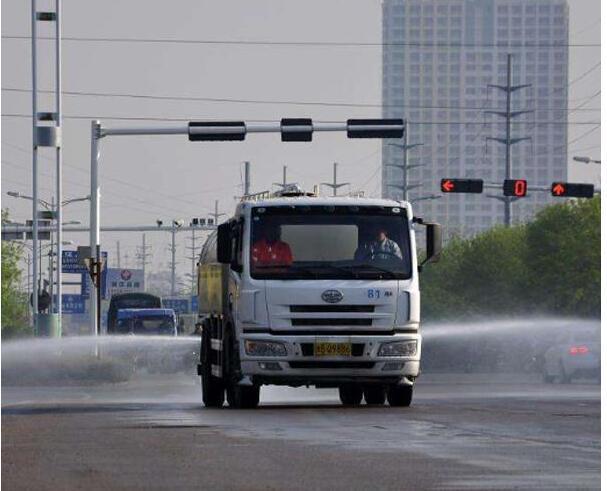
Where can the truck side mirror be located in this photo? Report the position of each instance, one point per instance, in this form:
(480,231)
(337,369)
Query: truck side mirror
(224,245)
(434,242)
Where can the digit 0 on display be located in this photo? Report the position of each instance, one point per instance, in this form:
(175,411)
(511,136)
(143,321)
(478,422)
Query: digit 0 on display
(515,187)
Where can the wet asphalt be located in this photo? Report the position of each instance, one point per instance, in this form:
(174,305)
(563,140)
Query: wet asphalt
(506,431)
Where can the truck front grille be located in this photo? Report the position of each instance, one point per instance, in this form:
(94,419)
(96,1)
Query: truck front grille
(331,364)
(301,309)
(331,322)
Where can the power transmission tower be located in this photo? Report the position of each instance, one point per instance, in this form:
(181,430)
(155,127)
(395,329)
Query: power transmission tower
(193,248)
(406,146)
(335,185)
(216,215)
(508,141)
(142,254)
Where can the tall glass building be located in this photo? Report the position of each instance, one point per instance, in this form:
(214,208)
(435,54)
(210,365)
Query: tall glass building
(439,58)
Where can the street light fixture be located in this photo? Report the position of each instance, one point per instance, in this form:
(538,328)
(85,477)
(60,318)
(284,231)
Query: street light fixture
(586,160)
(426,198)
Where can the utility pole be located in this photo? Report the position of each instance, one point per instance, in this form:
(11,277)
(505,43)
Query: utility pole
(29,288)
(142,255)
(406,146)
(118,254)
(508,141)
(247,179)
(335,185)
(216,215)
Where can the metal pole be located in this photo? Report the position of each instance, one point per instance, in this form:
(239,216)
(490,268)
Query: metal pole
(29,287)
(98,269)
(59,172)
(194,256)
(173,261)
(118,254)
(50,267)
(334,178)
(247,178)
(94,217)
(405,153)
(284,176)
(34,169)
(507,201)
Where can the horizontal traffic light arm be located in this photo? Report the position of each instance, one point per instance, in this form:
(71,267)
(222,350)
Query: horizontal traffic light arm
(291,129)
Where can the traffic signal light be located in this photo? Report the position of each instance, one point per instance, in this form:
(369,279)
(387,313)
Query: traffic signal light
(461,185)
(515,187)
(571,189)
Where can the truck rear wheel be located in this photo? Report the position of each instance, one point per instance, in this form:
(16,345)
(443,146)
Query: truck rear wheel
(212,387)
(243,396)
(350,395)
(375,394)
(400,395)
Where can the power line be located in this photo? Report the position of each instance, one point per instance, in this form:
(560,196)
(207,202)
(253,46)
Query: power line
(592,130)
(336,44)
(262,101)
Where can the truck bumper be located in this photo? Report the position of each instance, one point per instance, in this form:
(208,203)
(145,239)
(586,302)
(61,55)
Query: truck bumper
(301,367)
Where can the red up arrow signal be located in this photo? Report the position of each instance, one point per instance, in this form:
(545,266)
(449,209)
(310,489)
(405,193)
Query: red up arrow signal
(558,189)
(448,186)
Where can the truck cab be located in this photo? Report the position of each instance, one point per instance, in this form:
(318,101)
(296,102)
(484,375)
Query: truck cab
(312,291)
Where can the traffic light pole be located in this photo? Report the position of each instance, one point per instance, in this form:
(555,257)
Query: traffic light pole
(508,141)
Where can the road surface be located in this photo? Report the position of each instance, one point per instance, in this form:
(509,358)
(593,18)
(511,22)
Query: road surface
(463,432)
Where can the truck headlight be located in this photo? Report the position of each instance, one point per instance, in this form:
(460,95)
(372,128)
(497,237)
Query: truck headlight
(398,348)
(264,348)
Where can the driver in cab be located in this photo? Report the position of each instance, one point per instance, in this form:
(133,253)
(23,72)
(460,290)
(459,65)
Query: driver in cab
(269,250)
(382,247)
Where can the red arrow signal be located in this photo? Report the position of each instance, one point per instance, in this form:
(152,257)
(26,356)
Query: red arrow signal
(558,189)
(447,185)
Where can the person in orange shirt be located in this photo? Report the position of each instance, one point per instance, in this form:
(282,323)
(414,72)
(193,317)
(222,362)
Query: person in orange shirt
(269,250)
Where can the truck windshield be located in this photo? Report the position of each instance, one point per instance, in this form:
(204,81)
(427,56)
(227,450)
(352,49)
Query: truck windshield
(330,242)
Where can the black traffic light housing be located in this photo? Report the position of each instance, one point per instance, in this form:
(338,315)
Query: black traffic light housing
(515,187)
(572,190)
(450,185)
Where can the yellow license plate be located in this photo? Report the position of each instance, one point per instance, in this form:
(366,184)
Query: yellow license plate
(332,349)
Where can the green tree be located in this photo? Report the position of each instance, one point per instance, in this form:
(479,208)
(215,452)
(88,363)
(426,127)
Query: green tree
(564,258)
(14,302)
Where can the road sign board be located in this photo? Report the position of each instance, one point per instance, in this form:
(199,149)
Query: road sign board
(123,280)
(515,187)
(451,185)
(71,303)
(10,235)
(179,305)
(572,190)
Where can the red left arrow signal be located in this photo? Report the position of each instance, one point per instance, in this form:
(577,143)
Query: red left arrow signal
(447,185)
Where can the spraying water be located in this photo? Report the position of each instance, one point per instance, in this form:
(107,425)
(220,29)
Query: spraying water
(156,366)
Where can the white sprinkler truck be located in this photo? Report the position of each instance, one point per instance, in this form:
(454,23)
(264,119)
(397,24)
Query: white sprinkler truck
(302,290)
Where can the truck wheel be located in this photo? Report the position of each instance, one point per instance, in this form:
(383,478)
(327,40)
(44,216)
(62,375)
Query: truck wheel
(375,394)
(243,396)
(400,395)
(212,387)
(350,395)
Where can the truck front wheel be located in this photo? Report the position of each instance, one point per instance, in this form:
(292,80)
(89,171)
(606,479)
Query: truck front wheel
(400,395)
(375,395)
(350,395)
(243,396)
(212,387)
